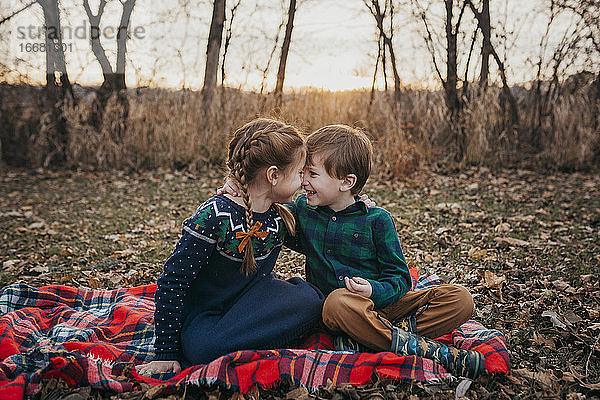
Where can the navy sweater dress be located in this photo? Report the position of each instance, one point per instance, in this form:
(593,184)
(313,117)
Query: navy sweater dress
(206,307)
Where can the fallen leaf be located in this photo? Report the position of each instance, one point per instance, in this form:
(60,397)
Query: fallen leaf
(155,392)
(572,317)
(568,377)
(402,221)
(94,282)
(492,280)
(448,206)
(36,225)
(507,241)
(545,379)
(580,379)
(116,279)
(124,253)
(119,238)
(477,254)
(544,341)
(12,214)
(502,227)
(593,313)
(298,393)
(8,264)
(594,327)
(560,284)
(555,319)
(462,388)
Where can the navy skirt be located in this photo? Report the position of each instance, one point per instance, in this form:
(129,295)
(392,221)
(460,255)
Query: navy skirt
(269,315)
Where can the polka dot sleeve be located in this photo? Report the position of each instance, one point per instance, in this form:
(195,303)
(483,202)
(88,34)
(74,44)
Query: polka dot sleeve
(192,252)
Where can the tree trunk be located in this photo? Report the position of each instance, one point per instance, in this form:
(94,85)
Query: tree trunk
(212,53)
(397,81)
(114,78)
(452,100)
(484,19)
(486,30)
(122,44)
(56,91)
(284,52)
(55,56)
(387,42)
(372,96)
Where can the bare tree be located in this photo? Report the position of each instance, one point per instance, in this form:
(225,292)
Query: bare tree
(212,53)
(385,43)
(285,48)
(53,130)
(486,30)
(453,100)
(265,70)
(14,13)
(587,38)
(578,45)
(55,56)
(451,84)
(228,35)
(483,19)
(114,78)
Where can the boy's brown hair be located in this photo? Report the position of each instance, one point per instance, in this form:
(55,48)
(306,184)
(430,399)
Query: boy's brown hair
(345,150)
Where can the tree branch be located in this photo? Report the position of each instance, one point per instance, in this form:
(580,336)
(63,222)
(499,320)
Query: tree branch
(17,12)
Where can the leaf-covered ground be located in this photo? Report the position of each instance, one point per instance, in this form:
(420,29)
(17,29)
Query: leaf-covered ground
(527,245)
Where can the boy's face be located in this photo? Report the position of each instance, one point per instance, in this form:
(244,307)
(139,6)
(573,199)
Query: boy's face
(321,188)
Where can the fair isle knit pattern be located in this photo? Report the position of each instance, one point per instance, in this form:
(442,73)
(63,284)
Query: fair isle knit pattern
(208,241)
(201,226)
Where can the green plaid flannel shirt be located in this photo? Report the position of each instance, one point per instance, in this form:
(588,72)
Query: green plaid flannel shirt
(357,241)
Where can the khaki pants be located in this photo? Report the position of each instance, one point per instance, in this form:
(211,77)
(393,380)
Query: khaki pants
(447,307)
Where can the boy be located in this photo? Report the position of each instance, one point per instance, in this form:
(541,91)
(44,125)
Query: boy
(354,257)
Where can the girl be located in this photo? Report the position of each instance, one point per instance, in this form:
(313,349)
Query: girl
(217,293)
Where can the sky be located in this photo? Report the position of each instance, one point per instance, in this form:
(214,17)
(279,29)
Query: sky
(334,43)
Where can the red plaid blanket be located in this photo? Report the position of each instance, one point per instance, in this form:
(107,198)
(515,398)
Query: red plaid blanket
(94,338)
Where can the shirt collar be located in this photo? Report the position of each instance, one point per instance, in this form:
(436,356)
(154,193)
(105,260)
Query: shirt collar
(358,206)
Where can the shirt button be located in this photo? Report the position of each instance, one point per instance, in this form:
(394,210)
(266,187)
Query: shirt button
(355,236)
(341,278)
(328,251)
(333,218)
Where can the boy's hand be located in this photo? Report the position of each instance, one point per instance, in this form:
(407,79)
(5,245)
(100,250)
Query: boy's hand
(365,199)
(229,187)
(359,285)
(157,367)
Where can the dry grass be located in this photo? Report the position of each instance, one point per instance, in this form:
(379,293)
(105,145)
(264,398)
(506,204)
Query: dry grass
(165,128)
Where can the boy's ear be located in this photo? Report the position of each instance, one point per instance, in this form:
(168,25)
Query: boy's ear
(348,183)
(272,174)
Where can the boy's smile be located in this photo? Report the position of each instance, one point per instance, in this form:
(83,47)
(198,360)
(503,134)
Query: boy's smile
(323,189)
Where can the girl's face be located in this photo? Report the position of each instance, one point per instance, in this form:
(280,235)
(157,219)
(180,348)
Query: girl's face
(289,180)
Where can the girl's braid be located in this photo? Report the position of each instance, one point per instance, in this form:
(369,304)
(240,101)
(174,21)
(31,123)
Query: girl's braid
(240,166)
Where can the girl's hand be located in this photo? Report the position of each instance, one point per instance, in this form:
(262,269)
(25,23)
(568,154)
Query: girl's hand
(365,199)
(157,367)
(359,285)
(229,187)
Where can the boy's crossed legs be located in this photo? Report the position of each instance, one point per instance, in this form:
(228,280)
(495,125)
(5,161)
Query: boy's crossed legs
(439,310)
(446,308)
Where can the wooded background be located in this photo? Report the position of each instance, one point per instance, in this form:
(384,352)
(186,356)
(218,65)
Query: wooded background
(473,115)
